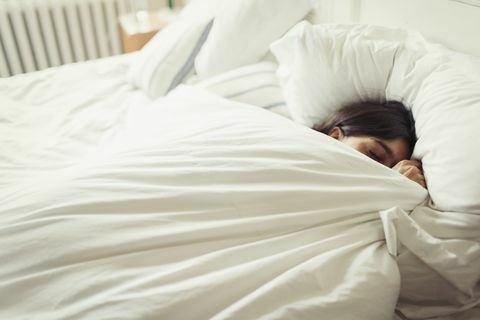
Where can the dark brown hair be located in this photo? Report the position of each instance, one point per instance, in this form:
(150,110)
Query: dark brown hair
(388,120)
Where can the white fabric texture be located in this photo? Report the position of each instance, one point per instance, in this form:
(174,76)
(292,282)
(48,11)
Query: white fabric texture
(57,116)
(440,266)
(245,215)
(255,84)
(445,101)
(243,31)
(49,123)
(324,67)
(168,58)
(470,65)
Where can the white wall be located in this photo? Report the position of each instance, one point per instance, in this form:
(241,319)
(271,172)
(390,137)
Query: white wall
(452,23)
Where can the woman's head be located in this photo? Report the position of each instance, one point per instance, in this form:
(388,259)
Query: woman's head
(383,131)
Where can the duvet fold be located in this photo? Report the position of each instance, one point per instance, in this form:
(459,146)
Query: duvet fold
(201,208)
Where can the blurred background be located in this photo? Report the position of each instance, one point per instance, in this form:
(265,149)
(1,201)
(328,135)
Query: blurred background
(38,34)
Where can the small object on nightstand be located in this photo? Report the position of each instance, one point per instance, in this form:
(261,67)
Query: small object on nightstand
(139,27)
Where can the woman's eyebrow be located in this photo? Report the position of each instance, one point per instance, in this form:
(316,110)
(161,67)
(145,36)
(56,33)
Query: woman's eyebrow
(385,147)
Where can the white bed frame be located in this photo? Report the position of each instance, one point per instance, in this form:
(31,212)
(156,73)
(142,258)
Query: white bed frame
(453,23)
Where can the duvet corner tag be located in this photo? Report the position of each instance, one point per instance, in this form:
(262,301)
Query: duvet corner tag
(389,220)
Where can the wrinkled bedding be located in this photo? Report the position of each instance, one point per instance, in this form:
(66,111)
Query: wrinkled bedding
(51,118)
(196,207)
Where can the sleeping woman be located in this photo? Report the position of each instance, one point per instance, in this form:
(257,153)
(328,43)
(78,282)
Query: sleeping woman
(384,132)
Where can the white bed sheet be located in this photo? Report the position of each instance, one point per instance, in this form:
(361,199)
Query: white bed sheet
(53,117)
(83,249)
(245,215)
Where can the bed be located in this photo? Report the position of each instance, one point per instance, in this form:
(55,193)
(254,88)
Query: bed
(129,193)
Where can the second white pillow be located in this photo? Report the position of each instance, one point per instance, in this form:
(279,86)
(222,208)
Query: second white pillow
(255,84)
(243,31)
(323,67)
(168,58)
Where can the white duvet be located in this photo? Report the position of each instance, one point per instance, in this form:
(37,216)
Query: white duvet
(195,207)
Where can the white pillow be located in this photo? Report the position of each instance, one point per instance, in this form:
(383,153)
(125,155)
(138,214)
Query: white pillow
(445,103)
(255,84)
(168,58)
(323,67)
(243,31)
(470,65)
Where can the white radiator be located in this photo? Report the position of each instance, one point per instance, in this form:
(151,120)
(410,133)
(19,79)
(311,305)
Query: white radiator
(37,34)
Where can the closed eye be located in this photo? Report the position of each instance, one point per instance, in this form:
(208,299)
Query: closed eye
(386,148)
(373,155)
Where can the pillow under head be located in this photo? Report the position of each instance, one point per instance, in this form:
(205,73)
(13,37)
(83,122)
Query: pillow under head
(324,67)
(446,106)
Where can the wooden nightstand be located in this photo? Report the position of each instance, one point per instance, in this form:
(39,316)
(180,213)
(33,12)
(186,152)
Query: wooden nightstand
(139,27)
